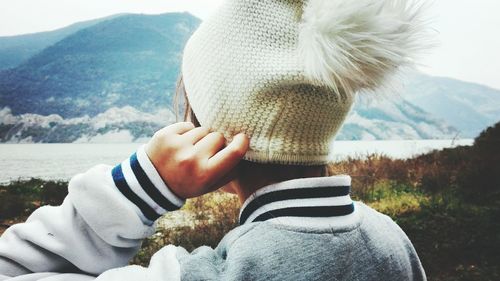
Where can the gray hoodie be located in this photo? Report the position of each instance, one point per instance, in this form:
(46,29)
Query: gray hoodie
(302,229)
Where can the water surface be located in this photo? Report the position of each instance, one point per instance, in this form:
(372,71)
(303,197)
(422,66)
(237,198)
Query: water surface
(62,161)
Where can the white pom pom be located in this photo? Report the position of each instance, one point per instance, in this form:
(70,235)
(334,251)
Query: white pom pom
(352,45)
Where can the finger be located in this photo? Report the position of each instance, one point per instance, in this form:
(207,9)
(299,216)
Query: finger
(179,128)
(226,159)
(196,134)
(210,144)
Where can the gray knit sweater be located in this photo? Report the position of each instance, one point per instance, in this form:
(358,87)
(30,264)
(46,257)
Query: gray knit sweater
(303,229)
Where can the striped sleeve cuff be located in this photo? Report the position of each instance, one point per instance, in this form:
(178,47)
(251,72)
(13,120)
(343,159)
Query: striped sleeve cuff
(138,180)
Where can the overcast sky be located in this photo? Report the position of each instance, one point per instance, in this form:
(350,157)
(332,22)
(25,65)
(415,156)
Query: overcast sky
(468,30)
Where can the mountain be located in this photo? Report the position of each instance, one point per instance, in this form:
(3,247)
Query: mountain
(113,80)
(469,107)
(394,119)
(130,60)
(16,49)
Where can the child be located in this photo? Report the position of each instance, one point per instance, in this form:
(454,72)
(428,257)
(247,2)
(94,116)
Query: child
(275,80)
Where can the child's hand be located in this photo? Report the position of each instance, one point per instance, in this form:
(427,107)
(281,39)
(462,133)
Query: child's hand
(192,161)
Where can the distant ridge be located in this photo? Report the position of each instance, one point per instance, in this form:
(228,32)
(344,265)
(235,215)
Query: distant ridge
(469,107)
(127,60)
(17,48)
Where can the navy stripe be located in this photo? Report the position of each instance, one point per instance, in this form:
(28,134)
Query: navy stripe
(323,211)
(296,193)
(124,188)
(149,187)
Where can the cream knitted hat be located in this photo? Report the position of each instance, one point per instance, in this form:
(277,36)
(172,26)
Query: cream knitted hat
(285,72)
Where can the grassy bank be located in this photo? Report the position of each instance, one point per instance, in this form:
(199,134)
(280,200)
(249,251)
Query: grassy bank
(448,203)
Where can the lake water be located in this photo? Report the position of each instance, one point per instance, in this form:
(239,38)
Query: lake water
(62,161)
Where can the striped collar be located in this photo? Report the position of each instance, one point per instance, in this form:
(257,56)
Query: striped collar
(320,197)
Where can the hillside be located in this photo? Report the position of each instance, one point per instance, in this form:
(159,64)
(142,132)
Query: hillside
(392,118)
(16,49)
(131,60)
(465,106)
(115,125)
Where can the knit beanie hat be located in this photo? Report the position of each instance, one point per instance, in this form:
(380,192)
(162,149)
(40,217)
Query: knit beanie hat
(285,72)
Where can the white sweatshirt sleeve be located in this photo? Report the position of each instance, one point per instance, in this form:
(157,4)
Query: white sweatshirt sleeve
(99,226)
